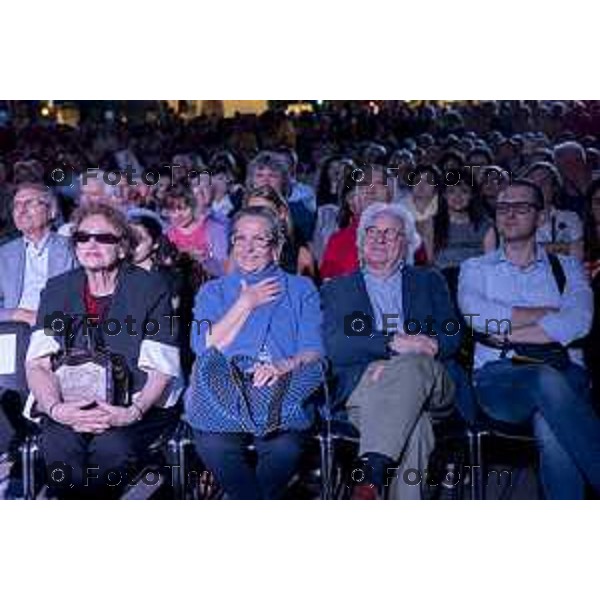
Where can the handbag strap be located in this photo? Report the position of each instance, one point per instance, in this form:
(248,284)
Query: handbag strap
(275,404)
(237,378)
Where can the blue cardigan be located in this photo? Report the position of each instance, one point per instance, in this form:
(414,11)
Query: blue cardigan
(288,325)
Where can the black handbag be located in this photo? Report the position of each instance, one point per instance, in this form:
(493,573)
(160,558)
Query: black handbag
(554,355)
(93,372)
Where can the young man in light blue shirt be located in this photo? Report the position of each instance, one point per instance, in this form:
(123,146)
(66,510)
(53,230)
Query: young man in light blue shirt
(513,295)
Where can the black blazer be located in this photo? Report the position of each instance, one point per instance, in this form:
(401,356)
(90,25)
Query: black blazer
(139,296)
(424,294)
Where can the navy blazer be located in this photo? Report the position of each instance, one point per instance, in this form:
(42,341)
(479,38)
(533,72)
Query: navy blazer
(139,296)
(424,294)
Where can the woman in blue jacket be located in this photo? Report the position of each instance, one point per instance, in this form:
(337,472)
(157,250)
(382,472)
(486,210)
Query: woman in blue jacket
(257,337)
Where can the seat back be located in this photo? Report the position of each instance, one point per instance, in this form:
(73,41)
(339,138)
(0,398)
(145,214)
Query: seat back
(14,340)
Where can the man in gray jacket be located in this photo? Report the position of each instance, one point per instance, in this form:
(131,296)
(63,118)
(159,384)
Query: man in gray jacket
(26,263)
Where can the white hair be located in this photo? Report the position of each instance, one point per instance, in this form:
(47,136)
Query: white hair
(95,177)
(396,211)
(46,195)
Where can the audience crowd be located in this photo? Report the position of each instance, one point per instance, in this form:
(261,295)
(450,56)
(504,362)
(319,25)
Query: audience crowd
(425,259)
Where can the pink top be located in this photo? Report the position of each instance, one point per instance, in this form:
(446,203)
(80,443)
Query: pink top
(212,236)
(191,241)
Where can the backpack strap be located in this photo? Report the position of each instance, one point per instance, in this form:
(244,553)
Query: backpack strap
(558,272)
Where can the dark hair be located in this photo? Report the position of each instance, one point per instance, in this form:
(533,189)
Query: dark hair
(401,154)
(179,191)
(28,171)
(486,152)
(441,221)
(324,195)
(166,250)
(348,188)
(271,195)
(536,192)
(556,179)
(114,216)
(224,162)
(268,193)
(543,155)
(268,215)
(451,155)
(422,168)
(152,226)
(591,239)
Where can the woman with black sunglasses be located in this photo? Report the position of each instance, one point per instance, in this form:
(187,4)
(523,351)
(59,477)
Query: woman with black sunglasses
(98,432)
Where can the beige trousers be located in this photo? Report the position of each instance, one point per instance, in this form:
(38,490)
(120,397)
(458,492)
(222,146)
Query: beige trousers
(392,415)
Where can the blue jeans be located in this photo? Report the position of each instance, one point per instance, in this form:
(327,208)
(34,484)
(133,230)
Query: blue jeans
(565,425)
(226,455)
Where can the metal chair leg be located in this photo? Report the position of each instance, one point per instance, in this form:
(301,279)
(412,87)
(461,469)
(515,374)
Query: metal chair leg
(325,446)
(481,491)
(476,460)
(328,462)
(29,453)
(177,458)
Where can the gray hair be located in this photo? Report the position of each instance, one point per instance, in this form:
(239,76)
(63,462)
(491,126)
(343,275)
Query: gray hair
(272,160)
(97,176)
(45,194)
(570,147)
(396,211)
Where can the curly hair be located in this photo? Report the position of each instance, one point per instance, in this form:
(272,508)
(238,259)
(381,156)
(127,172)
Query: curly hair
(115,217)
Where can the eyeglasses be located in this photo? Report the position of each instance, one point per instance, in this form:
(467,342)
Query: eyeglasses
(261,242)
(106,239)
(389,236)
(32,204)
(519,208)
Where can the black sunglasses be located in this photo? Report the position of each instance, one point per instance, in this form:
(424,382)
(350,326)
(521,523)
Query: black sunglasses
(107,239)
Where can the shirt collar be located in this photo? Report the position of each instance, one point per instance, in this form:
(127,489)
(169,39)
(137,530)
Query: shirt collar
(395,274)
(541,255)
(38,248)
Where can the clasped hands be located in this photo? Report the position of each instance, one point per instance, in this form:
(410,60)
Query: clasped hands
(89,416)
(405,344)
(414,344)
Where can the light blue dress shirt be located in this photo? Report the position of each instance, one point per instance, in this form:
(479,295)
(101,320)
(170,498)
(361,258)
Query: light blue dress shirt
(490,286)
(386,298)
(36,272)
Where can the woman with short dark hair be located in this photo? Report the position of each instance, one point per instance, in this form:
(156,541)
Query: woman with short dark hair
(258,347)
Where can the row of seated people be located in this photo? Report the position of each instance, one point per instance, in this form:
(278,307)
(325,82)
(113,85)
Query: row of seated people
(259,361)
